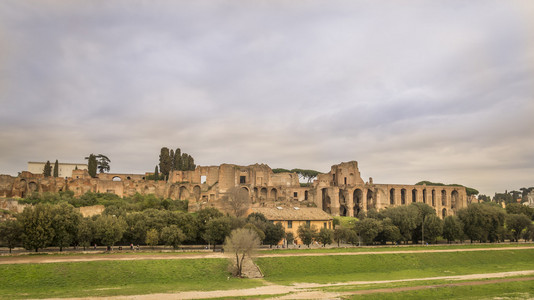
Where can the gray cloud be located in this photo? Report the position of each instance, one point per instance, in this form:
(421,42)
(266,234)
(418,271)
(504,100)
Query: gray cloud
(439,91)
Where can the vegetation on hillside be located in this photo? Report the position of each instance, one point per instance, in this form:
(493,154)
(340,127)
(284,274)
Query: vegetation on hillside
(468,190)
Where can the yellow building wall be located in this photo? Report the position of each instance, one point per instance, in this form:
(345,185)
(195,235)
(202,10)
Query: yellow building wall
(295,227)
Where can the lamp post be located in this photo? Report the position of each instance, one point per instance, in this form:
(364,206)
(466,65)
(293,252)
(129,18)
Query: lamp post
(423,231)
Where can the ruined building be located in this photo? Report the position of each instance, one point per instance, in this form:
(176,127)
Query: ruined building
(340,192)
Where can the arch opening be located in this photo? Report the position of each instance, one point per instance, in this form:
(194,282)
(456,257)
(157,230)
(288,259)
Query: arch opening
(358,201)
(392,196)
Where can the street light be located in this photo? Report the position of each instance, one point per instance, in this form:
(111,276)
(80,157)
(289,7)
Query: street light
(423,230)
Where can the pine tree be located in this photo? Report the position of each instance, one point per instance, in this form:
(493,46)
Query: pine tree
(47,170)
(56,169)
(156,174)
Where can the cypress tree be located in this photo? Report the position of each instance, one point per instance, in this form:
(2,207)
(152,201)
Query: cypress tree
(177,159)
(172,159)
(47,170)
(185,162)
(165,161)
(56,169)
(156,174)
(91,165)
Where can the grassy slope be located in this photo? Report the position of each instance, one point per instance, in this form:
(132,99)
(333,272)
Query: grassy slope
(105,278)
(324,269)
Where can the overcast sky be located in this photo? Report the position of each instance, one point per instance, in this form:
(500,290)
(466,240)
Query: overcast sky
(412,90)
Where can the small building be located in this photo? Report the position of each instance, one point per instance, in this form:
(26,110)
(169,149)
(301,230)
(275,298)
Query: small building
(293,217)
(64,170)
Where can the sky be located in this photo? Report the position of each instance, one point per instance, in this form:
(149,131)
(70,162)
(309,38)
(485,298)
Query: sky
(412,90)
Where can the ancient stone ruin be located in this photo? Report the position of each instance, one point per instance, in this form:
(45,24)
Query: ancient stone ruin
(340,192)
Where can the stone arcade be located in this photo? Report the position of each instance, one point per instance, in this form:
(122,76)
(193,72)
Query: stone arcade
(341,192)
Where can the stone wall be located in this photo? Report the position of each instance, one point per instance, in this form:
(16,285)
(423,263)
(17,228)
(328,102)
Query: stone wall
(339,192)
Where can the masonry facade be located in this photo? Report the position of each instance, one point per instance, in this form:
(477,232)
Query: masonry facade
(340,192)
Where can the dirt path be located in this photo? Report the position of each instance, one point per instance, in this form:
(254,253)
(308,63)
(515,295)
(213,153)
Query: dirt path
(27,259)
(312,290)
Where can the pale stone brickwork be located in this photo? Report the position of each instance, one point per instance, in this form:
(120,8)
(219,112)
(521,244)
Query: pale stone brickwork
(338,192)
(65,169)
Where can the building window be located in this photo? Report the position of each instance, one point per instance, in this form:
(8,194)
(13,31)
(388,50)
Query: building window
(308,223)
(324,225)
(295,194)
(289,224)
(242,179)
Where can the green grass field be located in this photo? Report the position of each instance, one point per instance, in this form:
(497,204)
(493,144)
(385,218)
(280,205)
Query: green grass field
(324,269)
(505,290)
(304,249)
(107,278)
(132,277)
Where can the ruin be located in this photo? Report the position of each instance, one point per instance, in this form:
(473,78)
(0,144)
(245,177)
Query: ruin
(340,192)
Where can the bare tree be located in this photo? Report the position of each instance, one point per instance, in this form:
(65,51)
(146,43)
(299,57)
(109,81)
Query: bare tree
(238,201)
(241,242)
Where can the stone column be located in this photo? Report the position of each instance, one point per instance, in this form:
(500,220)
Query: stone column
(350,203)
(334,201)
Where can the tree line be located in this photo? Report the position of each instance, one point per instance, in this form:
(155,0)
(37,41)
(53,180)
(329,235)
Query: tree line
(172,160)
(482,222)
(148,220)
(61,225)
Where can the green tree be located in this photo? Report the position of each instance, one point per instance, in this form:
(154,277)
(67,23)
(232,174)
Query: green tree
(156,174)
(290,238)
(388,232)
(110,229)
(368,229)
(177,159)
(307,234)
(205,215)
(10,234)
(341,234)
(102,163)
(433,228)
(85,233)
(241,242)
(423,212)
(152,237)
(172,236)
(165,161)
(325,236)
(47,170)
(404,217)
(274,233)
(36,223)
(516,223)
(517,208)
(307,175)
(91,165)
(528,234)
(482,222)
(258,231)
(65,225)
(56,169)
(217,230)
(452,229)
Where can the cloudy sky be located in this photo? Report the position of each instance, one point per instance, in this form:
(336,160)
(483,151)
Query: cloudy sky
(412,90)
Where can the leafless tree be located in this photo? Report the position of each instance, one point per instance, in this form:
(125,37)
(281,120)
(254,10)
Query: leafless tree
(241,242)
(238,201)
